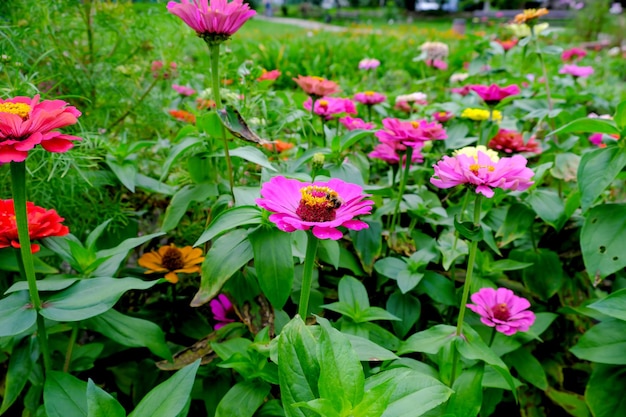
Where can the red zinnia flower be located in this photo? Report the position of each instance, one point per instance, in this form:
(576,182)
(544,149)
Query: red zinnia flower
(41,223)
(510,141)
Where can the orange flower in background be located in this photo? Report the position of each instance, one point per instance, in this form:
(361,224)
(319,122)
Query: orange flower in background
(172,260)
(278,146)
(205,104)
(42,223)
(183,116)
(530,15)
(316,86)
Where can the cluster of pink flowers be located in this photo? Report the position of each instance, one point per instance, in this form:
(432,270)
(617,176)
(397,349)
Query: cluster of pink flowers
(369,98)
(369,64)
(503,310)
(354,123)
(494,94)
(573,54)
(401,134)
(213,20)
(576,71)
(183,90)
(330,107)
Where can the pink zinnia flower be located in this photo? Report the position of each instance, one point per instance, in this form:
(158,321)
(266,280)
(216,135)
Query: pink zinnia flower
(437,63)
(573,54)
(27,122)
(576,71)
(369,98)
(323,206)
(507,45)
(329,107)
(213,20)
(269,75)
(475,167)
(442,116)
(463,91)
(503,310)
(598,139)
(493,94)
(354,123)
(222,308)
(386,152)
(369,64)
(183,91)
(401,134)
(316,86)
(510,141)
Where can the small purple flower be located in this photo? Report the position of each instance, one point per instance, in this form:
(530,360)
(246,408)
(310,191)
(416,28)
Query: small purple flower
(503,310)
(221,307)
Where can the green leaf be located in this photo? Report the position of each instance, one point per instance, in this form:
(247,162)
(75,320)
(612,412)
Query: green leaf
(44,285)
(90,242)
(320,407)
(176,151)
(407,308)
(298,369)
(253,155)
(16,314)
(227,255)
(352,137)
(64,395)
(566,166)
(545,276)
(8,262)
(375,400)
(620,115)
(587,125)
(273,262)
(102,404)
(519,219)
(226,220)
(368,351)
(468,393)
(407,280)
(390,267)
(368,244)
(528,368)
(375,313)
(614,305)
(329,252)
(451,247)
(438,287)
(604,343)
(549,206)
(468,230)
(605,391)
(341,375)
(574,404)
(243,399)
(169,398)
(352,292)
(131,331)
(20,366)
(603,239)
(125,171)
(117,254)
(89,297)
(428,341)
(182,199)
(210,124)
(597,170)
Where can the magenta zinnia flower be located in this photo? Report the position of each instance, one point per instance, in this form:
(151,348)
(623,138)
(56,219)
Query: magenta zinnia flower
(369,98)
(323,206)
(442,116)
(222,308)
(482,169)
(576,71)
(573,54)
(354,123)
(329,107)
(183,90)
(493,94)
(503,310)
(401,134)
(213,20)
(386,152)
(27,122)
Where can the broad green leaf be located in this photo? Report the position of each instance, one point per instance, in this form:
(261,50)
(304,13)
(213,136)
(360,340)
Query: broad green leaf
(16,314)
(452,247)
(407,280)
(374,313)
(243,399)
(468,230)
(549,206)
(368,351)
(603,239)
(8,262)
(545,276)
(320,407)
(368,244)
(154,186)
(614,305)
(210,124)
(566,166)
(125,171)
(573,403)
(375,400)
(438,287)
(273,262)
(131,331)
(44,285)
(352,137)
(117,254)
(227,255)
(102,404)
(226,220)
(182,199)
(587,125)
(298,368)
(89,297)
(604,343)
(390,267)
(519,219)
(253,155)
(169,398)
(90,242)
(605,391)
(341,374)
(428,341)
(20,366)
(64,395)
(528,368)
(620,115)
(597,170)
(176,151)
(353,292)
(407,308)
(468,393)
(329,252)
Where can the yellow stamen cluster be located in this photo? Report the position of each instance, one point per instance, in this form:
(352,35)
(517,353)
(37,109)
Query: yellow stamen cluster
(21,109)
(530,14)
(369,93)
(476,167)
(315,195)
(472,152)
(415,124)
(480,114)
(315,77)
(323,103)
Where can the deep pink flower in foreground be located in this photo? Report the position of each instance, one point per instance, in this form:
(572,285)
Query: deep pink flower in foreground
(354,123)
(476,168)
(387,152)
(183,90)
(510,141)
(222,308)
(269,75)
(27,122)
(323,206)
(369,64)
(329,107)
(213,20)
(493,94)
(401,134)
(369,98)
(573,54)
(503,310)
(576,71)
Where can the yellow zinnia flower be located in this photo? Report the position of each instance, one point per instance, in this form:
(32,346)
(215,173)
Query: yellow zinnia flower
(480,114)
(530,15)
(172,260)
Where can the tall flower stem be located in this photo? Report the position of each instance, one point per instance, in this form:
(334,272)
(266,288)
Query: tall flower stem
(546,81)
(27,266)
(307,275)
(313,132)
(407,160)
(466,286)
(214,50)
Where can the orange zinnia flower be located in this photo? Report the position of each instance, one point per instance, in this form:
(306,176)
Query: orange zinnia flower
(172,260)
(530,15)
(183,116)
(316,86)
(278,146)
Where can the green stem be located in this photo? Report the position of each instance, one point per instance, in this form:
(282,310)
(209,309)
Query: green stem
(18,185)
(545,78)
(307,275)
(369,113)
(214,49)
(70,348)
(313,132)
(493,336)
(409,156)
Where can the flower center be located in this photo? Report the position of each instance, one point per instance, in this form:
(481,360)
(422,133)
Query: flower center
(318,204)
(21,109)
(415,124)
(323,103)
(369,93)
(501,312)
(173,259)
(475,167)
(316,78)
